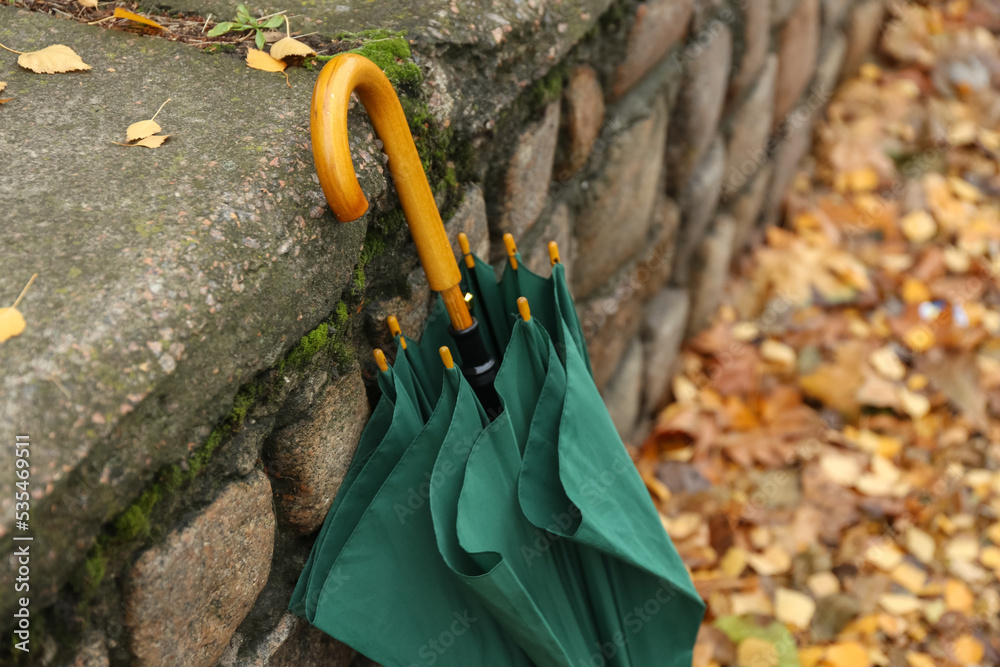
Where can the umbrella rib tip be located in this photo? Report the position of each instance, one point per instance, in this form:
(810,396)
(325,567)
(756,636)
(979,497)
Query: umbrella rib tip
(379,355)
(446,357)
(525,310)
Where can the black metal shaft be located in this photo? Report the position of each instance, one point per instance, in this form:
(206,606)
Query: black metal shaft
(478,367)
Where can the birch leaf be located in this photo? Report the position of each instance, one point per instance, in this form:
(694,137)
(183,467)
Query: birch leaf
(154,141)
(89,4)
(289,46)
(11,323)
(262,61)
(3,84)
(53,59)
(125,14)
(142,129)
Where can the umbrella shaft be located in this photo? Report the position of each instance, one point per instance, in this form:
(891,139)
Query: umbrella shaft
(478,367)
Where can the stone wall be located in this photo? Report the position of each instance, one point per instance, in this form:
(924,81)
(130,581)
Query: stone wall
(652,140)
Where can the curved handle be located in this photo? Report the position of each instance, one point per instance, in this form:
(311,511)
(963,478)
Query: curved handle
(340,77)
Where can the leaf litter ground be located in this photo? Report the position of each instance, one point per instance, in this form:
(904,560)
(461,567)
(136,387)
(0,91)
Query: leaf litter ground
(830,465)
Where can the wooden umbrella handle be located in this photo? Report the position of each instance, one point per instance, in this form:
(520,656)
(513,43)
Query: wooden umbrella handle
(340,77)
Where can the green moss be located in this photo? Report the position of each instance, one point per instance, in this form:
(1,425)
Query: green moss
(359,280)
(548,88)
(90,575)
(134,521)
(311,343)
(340,316)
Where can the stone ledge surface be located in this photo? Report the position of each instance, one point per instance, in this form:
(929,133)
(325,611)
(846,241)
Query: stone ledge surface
(166,277)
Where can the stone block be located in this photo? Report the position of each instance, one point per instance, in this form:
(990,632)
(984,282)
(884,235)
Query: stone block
(609,324)
(623,393)
(696,115)
(308,459)
(470,218)
(746,206)
(93,652)
(698,203)
(656,264)
(583,117)
(658,25)
(558,229)
(782,9)
(786,160)
(751,127)
(529,171)
(186,596)
(862,32)
(663,328)
(709,280)
(615,219)
(756,46)
(798,48)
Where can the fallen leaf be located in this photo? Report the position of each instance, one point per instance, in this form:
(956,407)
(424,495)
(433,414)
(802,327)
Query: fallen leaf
(886,363)
(898,603)
(734,562)
(774,560)
(289,46)
(125,14)
(11,323)
(968,650)
(756,652)
(915,659)
(958,597)
(53,59)
(910,577)
(847,654)
(794,608)
(920,544)
(6,99)
(154,141)
(142,129)
(3,84)
(89,4)
(11,320)
(262,61)
(841,469)
(822,584)
(918,226)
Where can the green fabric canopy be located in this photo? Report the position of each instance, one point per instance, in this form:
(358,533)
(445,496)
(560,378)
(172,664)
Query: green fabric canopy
(528,540)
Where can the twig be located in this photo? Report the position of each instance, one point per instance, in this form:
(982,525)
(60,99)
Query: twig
(207,19)
(30,280)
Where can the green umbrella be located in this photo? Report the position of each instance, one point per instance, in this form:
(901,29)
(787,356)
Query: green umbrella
(491,516)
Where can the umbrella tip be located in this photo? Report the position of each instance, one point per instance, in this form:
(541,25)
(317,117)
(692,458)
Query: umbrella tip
(522,306)
(463,244)
(553,252)
(395,330)
(380,360)
(446,356)
(508,240)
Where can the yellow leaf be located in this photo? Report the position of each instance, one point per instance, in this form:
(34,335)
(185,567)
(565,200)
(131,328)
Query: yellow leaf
(916,659)
(11,320)
(154,141)
(794,608)
(734,562)
(262,61)
(126,14)
(958,597)
(89,4)
(757,652)
(918,226)
(847,654)
(968,650)
(142,129)
(11,323)
(774,560)
(910,577)
(3,84)
(811,655)
(53,59)
(289,46)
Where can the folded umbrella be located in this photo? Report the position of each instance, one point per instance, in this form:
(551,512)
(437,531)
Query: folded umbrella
(501,493)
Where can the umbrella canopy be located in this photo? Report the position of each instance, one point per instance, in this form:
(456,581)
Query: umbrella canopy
(467,536)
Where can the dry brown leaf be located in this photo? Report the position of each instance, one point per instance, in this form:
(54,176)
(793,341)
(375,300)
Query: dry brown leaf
(89,4)
(11,320)
(142,129)
(289,46)
(6,99)
(262,61)
(53,59)
(125,14)
(794,608)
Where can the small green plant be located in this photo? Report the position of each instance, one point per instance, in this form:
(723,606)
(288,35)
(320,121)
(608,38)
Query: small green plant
(246,22)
